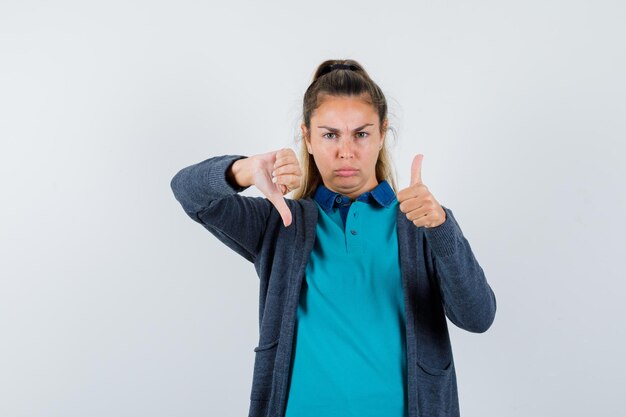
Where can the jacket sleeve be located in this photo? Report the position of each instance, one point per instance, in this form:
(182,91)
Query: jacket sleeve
(469,302)
(210,199)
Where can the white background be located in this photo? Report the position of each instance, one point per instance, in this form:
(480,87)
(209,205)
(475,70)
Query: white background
(114,303)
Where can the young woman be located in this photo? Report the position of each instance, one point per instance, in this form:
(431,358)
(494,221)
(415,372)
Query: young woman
(356,279)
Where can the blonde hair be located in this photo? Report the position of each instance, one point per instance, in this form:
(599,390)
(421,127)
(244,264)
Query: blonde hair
(345,81)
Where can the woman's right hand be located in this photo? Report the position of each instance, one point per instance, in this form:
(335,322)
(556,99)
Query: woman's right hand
(274,173)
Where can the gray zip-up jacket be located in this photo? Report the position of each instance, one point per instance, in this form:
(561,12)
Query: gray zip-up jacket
(440,277)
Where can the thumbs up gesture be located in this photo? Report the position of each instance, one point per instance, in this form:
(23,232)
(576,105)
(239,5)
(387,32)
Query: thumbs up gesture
(417,202)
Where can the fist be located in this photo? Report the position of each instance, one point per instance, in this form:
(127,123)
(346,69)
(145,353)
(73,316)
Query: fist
(275,174)
(417,202)
(286,171)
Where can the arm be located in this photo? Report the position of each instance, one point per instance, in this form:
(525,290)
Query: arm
(469,301)
(208,192)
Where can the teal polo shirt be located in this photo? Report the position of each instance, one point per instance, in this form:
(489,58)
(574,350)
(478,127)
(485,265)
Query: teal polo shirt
(349,356)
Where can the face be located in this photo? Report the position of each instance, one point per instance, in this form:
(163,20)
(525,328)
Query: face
(345,141)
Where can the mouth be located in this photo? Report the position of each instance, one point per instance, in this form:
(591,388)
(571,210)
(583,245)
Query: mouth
(346,172)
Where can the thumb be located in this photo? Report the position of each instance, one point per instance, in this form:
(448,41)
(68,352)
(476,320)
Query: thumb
(416,169)
(277,199)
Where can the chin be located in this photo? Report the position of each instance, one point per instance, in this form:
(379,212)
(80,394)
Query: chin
(346,181)
(346,186)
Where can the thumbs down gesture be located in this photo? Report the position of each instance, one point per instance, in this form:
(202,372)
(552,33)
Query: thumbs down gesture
(417,202)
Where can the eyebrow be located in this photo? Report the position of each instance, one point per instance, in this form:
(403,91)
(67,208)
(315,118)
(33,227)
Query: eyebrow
(334,129)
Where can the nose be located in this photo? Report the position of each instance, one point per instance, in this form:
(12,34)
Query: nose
(345,149)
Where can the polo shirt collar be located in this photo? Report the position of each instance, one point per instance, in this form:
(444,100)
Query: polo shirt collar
(382,194)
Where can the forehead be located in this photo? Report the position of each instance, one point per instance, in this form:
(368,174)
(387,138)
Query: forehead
(345,109)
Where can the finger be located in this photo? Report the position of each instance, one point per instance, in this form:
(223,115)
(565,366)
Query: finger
(418,213)
(277,199)
(420,218)
(286,169)
(405,194)
(426,221)
(411,204)
(416,169)
(421,221)
(284,153)
(411,192)
(290,181)
(285,160)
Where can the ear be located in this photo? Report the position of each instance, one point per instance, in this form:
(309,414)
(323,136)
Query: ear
(305,137)
(384,134)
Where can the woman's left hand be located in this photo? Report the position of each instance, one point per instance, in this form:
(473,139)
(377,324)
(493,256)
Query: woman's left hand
(417,202)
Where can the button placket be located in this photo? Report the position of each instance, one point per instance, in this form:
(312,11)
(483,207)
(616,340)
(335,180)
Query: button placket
(354,240)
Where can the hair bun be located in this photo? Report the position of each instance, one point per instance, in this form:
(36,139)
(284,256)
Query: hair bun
(342,66)
(333,67)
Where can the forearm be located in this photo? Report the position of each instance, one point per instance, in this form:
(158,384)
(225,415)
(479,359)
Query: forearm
(209,198)
(468,299)
(197,185)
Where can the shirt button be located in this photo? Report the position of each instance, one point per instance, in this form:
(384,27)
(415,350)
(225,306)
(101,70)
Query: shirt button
(354,232)
(338,199)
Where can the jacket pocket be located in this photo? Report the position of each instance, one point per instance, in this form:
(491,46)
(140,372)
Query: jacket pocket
(436,390)
(265,356)
(265,347)
(435,371)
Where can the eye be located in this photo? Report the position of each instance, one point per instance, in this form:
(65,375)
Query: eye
(329,133)
(364,133)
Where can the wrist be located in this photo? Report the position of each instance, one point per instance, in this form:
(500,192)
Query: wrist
(241,172)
